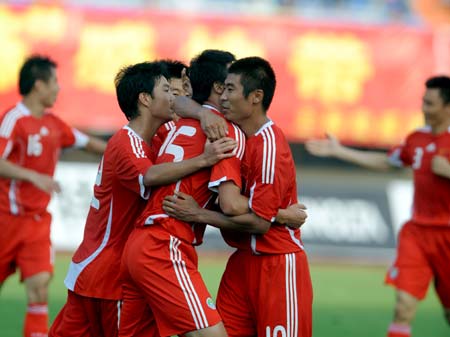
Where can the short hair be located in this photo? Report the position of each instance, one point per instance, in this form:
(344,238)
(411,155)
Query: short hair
(256,73)
(443,84)
(35,67)
(207,68)
(132,80)
(174,68)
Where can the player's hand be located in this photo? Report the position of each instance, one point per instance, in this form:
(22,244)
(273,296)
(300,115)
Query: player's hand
(440,166)
(294,216)
(214,126)
(45,183)
(323,147)
(218,150)
(181,206)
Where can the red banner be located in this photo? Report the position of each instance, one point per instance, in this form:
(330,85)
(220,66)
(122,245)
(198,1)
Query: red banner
(363,84)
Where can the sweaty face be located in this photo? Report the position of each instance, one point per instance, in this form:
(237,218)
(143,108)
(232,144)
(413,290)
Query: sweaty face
(235,107)
(48,90)
(162,100)
(434,109)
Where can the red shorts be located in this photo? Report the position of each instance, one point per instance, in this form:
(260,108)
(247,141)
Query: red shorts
(25,244)
(161,280)
(423,253)
(86,317)
(266,295)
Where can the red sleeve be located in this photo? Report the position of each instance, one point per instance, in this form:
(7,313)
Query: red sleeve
(132,162)
(229,169)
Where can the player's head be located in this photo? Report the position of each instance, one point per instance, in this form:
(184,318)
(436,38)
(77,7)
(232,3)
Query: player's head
(207,73)
(175,73)
(38,76)
(144,85)
(250,84)
(436,101)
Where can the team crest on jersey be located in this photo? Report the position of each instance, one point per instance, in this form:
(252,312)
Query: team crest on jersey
(431,147)
(210,303)
(44,131)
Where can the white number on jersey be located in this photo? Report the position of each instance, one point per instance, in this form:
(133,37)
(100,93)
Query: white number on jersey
(417,159)
(176,150)
(34,147)
(278,331)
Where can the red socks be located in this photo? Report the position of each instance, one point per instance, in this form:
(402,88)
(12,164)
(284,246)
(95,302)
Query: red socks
(36,320)
(399,330)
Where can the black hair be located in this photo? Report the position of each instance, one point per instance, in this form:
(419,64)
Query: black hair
(206,69)
(443,84)
(174,68)
(132,80)
(256,73)
(36,67)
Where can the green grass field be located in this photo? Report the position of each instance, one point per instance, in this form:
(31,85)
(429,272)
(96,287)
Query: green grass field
(349,301)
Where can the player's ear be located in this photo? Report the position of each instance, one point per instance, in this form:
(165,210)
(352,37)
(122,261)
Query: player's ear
(145,99)
(257,96)
(218,87)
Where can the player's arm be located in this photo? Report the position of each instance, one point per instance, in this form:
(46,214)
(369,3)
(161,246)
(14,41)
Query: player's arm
(166,173)
(184,207)
(233,203)
(95,145)
(440,166)
(42,181)
(331,147)
(215,127)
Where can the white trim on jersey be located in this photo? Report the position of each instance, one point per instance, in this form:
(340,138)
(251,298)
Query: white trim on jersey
(169,125)
(240,139)
(75,269)
(144,190)
(13,198)
(81,139)
(10,119)
(269,156)
(294,239)
(135,142)
(214,185)
(291,296)
(394,158)
(184,280)
(151,218)
(8,148)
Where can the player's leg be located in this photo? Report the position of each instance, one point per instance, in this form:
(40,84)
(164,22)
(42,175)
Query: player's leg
(440,257)
(411,274)
(164,270)
(35,260)
(233,297)
(283,303)
(72,320)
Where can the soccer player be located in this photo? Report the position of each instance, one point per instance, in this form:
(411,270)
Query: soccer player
(30,142)
(266,287)
(423,251)
(159,264)
(120,193)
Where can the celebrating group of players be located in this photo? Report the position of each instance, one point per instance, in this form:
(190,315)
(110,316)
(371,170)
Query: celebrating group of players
(198,149)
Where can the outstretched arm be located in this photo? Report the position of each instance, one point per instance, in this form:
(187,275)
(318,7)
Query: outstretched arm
(331,147)
(95,145)
(440,166)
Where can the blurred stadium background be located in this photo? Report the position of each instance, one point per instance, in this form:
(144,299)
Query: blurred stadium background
(354,68)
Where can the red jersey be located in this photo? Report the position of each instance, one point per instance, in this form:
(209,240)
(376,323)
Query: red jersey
(431,204)
(33,143)
(119,197)
(186,141)
(268,176)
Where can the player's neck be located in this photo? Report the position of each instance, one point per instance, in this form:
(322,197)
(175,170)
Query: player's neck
(145,126)
(440,128)
(252,124)
(36,108)
(214,103)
